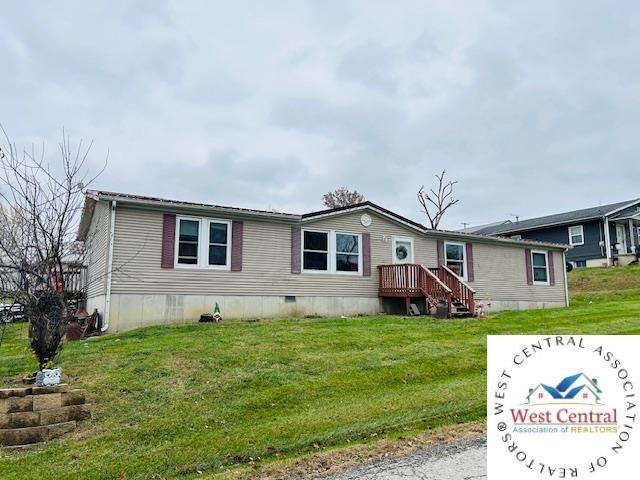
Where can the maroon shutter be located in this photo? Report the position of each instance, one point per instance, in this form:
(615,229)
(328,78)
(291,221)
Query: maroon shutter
(295,249)
(440,247)
(527,260)
(237,228)
(552,273)
(469,255)
(168,240)
(366,254)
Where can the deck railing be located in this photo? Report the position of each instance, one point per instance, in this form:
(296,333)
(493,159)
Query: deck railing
(413,280)
(75,279)
(460,289)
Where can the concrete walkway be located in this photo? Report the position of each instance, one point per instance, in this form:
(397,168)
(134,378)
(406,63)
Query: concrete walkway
(465,460)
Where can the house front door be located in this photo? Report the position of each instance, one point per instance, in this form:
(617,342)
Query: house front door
(402,251)
(621,239)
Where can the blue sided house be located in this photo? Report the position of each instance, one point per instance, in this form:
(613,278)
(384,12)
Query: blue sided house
(599,236)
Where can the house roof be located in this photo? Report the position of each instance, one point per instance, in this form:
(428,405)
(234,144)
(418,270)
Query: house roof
(480,228)
(361,206)
(129,198)
(573,216)
(92,196)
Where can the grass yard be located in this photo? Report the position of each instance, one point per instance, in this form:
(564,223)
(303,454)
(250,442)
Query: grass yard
(213,400)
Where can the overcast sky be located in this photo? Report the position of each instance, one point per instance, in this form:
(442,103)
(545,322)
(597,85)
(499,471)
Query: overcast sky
(533,108)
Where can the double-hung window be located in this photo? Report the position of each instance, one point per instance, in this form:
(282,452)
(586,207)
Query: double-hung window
(576,235)
(218,243)
(540,267)
(455,258)
(203,243)
(347,252)
(188,238)
(315,254)
(331,252)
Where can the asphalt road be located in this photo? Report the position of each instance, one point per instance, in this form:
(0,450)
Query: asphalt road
(465,460)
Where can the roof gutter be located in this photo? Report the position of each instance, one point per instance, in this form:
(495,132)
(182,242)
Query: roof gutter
(495,239)
(199,208)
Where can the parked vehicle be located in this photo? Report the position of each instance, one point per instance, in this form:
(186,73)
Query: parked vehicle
(11,312)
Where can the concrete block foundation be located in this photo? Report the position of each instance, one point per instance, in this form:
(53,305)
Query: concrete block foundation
(135,311)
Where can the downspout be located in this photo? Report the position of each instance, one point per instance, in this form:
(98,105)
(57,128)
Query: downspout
(566,282)
(607,241)
(107,302)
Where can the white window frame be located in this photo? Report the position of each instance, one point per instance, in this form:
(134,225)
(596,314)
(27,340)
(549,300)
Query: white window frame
(332,253)
(302,250)
(203,244)
(576,234)
(546,265)
(464,257)
(393,249)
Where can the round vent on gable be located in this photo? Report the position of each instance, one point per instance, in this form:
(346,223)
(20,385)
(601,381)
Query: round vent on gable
(365,220)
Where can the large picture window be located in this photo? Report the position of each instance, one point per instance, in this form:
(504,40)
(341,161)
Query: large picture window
(315,255)
(203,243)
(455,258)
(540,267)
(331,252)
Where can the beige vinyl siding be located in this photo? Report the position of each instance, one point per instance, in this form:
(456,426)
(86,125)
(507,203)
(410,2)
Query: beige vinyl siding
(382,232)
(500,274)
(266,268)
(266,265)
(97,251)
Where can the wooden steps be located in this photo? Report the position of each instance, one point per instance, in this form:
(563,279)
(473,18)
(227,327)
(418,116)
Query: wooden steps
(438,286)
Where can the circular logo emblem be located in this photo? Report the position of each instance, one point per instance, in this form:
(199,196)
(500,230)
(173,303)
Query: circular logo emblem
(559,406)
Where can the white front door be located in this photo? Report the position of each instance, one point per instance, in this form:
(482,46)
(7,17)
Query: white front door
(621,239)
(402,250)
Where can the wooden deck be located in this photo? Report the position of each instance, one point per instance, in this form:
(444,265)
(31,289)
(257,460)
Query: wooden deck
(436,285)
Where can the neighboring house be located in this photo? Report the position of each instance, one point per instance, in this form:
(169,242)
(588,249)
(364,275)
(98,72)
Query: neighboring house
(599,236)
(153,261)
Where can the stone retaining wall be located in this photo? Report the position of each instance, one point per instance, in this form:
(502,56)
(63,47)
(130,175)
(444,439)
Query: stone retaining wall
(36,414)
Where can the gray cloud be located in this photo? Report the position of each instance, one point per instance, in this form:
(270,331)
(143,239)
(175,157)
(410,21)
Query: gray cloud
(532,107)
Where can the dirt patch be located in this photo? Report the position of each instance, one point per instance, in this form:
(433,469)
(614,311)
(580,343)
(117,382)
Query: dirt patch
(333,461)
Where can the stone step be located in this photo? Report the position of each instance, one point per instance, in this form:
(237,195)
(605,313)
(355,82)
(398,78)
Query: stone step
(29,435)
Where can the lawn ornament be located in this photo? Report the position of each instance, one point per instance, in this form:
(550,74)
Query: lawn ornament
(48,377)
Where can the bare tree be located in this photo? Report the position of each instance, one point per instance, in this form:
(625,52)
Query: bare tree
(40,206)
(342,197)
(436,202)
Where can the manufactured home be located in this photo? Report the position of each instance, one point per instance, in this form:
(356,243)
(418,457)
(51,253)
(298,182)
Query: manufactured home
(155,261)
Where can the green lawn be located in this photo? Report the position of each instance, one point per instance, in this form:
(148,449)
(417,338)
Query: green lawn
(172,401)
